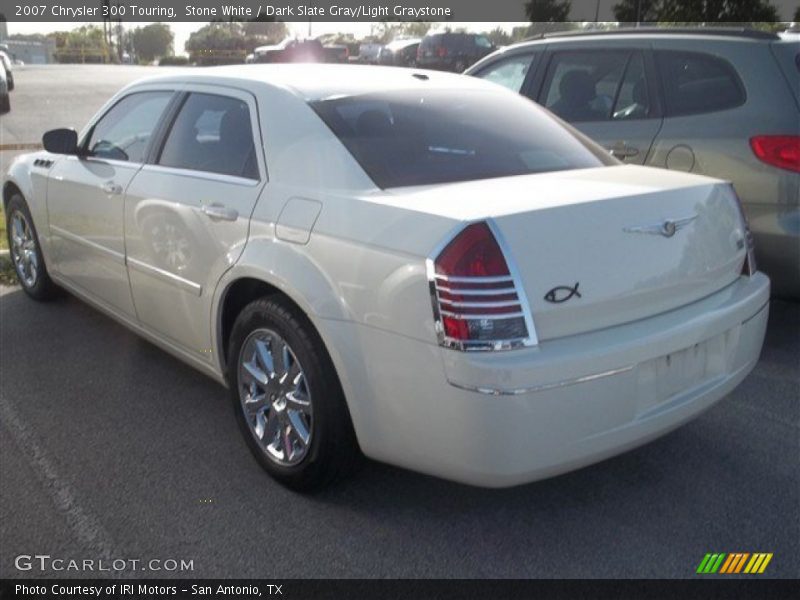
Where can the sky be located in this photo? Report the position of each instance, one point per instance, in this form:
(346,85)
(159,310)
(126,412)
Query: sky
(182,30)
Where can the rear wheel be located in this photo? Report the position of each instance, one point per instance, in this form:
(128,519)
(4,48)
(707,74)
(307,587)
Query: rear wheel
(5,104)
(287,398)
(26,254)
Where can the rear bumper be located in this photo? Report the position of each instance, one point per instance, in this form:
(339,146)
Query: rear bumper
(506,418)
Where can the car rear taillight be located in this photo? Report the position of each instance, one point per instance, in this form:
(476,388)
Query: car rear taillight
(782,151)
(441,51)
(478,301)
(749,267)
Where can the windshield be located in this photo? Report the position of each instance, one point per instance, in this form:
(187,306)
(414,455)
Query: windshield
(418,138)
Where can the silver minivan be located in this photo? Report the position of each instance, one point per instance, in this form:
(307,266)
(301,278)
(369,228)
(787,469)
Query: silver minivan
(720,102)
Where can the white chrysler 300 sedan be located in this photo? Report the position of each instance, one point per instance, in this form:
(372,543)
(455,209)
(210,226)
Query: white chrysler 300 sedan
(422,267)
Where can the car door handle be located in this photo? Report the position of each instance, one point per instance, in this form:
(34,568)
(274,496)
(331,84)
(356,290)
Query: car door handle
(110,187)
(622,151)
(217,211)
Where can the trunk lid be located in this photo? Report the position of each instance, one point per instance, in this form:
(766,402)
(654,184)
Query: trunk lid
(630,242)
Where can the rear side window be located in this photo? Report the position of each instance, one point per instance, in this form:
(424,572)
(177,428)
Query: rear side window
(123,133)
(212,133)
(440,136)
(696,83)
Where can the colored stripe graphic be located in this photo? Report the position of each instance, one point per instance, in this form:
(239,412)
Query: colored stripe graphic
(734,563)
(764,564)
(744,558)
(727,564)
(711,563)
(702,567)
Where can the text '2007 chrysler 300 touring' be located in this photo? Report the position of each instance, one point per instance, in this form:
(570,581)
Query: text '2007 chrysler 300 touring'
(421,267)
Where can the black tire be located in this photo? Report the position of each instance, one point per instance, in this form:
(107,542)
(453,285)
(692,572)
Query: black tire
(5,104)
(43,288)
(10,79)
(332,452)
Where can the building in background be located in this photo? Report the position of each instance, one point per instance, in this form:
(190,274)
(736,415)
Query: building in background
(31,53)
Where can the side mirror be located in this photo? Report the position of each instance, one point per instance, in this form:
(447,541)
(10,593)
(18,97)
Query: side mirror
(61,141)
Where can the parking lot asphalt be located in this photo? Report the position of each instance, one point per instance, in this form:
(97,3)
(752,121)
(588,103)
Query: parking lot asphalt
(110,448)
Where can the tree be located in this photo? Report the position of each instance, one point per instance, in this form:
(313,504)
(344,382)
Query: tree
(796,17)
(634,11)
(269,31)
(414,29)
(548,11)
(499,37)
(152,41)
(696,11)
(218,43)
(718,11)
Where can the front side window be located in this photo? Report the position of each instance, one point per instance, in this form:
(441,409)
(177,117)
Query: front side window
(212,133)
(583,86)
(633,97)
(124,132)
(696,83)
(510,72)
(410,138)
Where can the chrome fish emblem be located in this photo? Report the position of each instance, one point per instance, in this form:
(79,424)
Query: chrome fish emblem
(562,293)
(667,228)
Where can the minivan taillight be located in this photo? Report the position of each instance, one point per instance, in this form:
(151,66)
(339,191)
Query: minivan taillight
(441,51)
(478,301)
(782,151)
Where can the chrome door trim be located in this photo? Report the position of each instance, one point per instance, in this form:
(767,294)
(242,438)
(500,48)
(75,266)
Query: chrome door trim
(117,257)
(221,177)
(184,284)
(542,387)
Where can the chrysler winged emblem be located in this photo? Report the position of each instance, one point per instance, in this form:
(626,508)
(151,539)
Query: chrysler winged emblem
(667,228)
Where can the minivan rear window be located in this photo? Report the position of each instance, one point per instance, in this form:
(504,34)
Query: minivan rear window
(407,138)
(695,82)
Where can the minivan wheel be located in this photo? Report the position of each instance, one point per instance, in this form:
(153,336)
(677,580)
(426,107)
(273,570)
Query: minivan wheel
(287,398)
(26,254)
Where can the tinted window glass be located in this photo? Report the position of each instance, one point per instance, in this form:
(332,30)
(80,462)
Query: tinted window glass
(123,133)
(212,133)
(416,138)
(582,86)
(510,73)
(697,83)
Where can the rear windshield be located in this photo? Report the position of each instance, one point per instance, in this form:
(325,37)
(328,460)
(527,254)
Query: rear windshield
(419,138)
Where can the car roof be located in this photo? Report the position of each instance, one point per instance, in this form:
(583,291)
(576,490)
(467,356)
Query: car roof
(730,32)
(317,81)
(742,34)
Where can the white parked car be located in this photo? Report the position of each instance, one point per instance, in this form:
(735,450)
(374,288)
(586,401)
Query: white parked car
(5,97)
(424,267)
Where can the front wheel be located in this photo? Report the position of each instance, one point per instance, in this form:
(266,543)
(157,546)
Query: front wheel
(287,398)
(5,104)
(26,253)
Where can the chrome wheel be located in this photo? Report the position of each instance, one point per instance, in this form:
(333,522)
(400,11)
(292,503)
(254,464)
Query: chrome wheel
(275,398)
(23,249)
